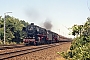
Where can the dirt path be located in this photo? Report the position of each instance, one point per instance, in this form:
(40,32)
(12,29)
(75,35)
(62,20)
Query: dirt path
(47,54)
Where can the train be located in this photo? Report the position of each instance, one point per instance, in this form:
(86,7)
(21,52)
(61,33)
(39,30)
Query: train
(36,35)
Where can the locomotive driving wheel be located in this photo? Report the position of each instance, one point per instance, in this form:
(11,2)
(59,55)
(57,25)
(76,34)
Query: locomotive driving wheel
(35,43)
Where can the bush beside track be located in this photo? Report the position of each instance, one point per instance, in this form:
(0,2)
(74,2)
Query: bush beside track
(80,47)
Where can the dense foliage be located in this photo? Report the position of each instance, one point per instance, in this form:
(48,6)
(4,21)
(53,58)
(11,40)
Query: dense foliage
(13,31)
(80,47)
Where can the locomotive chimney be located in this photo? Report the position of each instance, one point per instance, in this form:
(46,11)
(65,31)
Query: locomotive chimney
(32,23)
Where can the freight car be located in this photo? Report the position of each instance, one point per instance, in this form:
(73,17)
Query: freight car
(38,35)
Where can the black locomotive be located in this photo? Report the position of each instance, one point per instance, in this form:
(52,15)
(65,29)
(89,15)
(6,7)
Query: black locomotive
(38,35)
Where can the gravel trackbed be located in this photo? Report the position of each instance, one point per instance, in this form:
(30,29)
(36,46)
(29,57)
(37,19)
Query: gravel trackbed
(47,54)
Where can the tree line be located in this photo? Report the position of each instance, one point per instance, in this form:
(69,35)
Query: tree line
(13,28)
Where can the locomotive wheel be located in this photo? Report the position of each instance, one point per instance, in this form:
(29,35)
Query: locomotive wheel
(50,41)
(57,41)
(26,44)
(35,43)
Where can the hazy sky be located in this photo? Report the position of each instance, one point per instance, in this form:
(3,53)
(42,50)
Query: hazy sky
(61,13)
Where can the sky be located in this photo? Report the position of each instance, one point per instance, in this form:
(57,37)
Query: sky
(63,14)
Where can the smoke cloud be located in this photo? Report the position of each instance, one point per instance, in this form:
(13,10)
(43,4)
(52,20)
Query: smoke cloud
(32,14)
(47,24)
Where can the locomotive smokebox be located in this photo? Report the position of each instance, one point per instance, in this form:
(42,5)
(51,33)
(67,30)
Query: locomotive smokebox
(32,23)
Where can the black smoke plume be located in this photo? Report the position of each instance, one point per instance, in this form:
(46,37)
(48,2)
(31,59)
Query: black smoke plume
(47,24)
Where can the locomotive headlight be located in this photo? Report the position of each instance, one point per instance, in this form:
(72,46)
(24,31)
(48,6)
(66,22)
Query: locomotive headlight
(30,29)
(33,37)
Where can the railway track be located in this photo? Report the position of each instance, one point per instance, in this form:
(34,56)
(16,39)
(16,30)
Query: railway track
(11,54)
(4,47)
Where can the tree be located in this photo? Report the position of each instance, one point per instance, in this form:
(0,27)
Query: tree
(1,29)
(77,30)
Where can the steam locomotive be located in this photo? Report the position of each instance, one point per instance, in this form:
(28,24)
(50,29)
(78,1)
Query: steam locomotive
(37,35)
